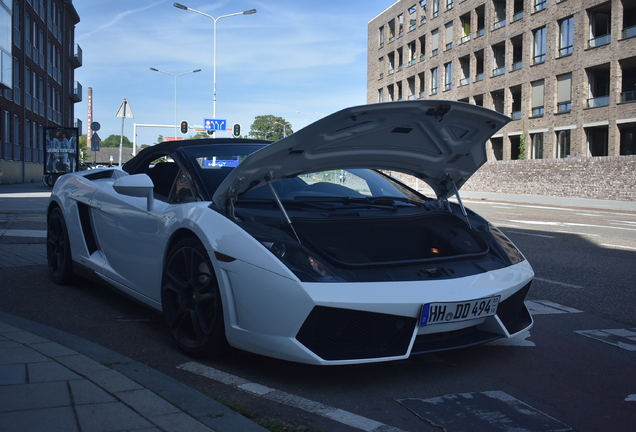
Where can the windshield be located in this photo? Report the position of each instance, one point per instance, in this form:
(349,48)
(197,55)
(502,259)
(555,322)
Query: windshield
(214,162)
(336,185)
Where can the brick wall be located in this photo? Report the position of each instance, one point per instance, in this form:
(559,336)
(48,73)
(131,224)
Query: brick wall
(612,177)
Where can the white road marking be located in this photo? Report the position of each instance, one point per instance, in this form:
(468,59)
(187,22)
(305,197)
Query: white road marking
(621,338)
(617,246)
(567,285)
(529,234)
(341,416)
(546,307)
(23,233)
(562,224)
(631,398)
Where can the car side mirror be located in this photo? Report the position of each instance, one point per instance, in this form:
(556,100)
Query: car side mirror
(137,185)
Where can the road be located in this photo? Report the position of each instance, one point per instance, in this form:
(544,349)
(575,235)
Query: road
(572,371)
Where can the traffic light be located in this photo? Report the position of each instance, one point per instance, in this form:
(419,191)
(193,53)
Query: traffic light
(184,127)
(236,131)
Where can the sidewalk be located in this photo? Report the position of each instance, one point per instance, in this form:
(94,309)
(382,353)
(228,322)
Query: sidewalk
(54,381)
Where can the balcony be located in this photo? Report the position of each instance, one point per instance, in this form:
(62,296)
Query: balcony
(464,39)
(517,65)
(498,71)
(629,96)
(629,32)
(464,82)
(499,24)
(479,33)
(596,102)
(516,115)
(76,58)
(600,41)
(517,16)
(76,96)
(566,51)
(479,77)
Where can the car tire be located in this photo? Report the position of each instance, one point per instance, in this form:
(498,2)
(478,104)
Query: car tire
(58,249)
(191,300)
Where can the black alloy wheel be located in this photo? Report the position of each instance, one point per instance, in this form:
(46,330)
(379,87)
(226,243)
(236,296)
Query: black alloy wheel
(58,248)
(191,300)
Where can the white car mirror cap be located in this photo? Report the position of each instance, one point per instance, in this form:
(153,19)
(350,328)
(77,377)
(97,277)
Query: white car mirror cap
(138,185)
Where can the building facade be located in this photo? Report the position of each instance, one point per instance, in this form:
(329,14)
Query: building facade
(38,58)
(563,70)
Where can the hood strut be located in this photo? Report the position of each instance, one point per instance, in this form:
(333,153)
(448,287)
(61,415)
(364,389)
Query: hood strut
(461,204)
(280,206)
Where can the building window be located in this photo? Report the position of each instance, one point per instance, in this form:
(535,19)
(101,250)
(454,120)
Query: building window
(465,21)
(598,86)
(628,140)
(434,82)
(391,57)
(391,30)
(449,35)
(566,36)
(410,82)
(517,52)
(597,139)
(381,31)
(412,54)
(539,5)
(435,42)
(422,54)
(400,25)
(536,149)
(464,69)
(499,58)
(517,11)
(422,85)
(381,68)
(515,94)
(563,144)
(600,25)
(498,100)
(500,14)
(423,12)
(481,20)
(435,8)
(537,98)
(539,45)
(628,79)
(564,92)
(450,4)
(448,76)
(413,17)
(479,65)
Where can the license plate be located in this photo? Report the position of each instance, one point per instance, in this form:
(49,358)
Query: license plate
(436,313)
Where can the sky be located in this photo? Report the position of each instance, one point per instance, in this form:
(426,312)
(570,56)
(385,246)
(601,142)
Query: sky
(299,60)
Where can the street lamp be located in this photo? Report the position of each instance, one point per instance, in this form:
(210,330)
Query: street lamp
(175,92)
(247,12)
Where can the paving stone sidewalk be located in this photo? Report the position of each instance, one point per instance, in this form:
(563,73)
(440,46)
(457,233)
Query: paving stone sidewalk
(47,386)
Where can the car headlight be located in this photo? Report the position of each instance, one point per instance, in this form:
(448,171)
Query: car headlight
(302,262)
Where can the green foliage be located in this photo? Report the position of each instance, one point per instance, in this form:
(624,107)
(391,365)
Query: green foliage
(159,139)
(113,141)
(85,151)
(269,127)
(522,146)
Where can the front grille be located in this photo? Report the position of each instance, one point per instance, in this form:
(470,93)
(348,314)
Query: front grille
(451,339)
(344,334)
(513,313)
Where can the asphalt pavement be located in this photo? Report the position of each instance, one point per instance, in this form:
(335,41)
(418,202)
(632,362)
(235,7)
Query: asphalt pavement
(52,380)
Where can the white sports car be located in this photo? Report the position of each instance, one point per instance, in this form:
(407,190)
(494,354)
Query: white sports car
(306,249)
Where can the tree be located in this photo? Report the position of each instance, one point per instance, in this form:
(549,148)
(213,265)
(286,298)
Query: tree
(269,127)
(84,148)
(114,140)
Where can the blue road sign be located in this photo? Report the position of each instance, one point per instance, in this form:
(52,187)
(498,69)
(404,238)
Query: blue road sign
(214,124)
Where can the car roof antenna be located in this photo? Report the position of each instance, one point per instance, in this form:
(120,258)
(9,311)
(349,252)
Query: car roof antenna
(268,177)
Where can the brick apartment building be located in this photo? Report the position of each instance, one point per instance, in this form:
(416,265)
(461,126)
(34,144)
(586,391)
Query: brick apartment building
(38,58)
(564,70)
